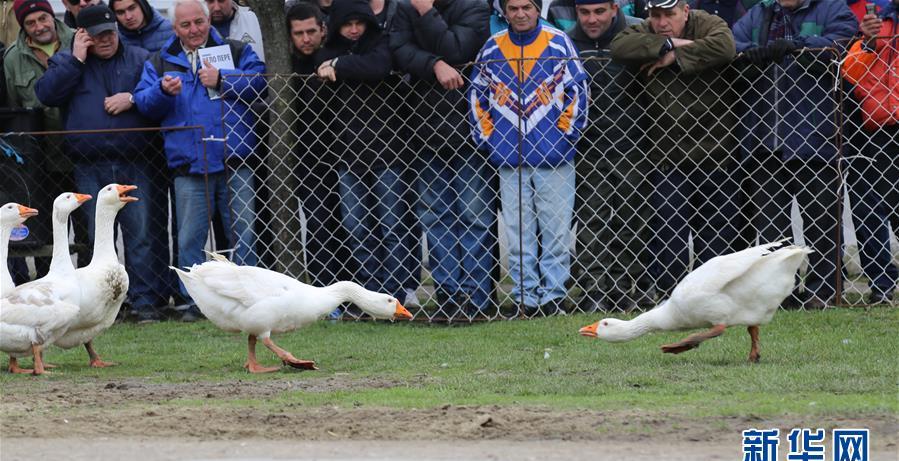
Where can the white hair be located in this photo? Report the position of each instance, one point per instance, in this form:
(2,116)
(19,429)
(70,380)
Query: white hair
(202,4)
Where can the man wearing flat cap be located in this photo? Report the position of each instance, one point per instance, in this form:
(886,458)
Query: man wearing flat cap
(610,207)
(680,54)
(92,84)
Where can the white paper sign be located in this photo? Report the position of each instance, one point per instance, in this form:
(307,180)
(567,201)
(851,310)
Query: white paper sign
(220,58)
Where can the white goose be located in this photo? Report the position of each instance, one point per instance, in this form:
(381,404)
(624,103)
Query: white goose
(104,281)
(36,313)
(742,288)
(11,215)
(260,302)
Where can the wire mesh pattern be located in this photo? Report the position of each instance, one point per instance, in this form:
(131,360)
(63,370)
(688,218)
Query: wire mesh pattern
(383,184)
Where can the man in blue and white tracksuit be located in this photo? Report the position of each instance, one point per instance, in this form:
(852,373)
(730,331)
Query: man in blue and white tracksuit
(528,101)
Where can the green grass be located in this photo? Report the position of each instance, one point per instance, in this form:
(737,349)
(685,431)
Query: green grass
(840,361)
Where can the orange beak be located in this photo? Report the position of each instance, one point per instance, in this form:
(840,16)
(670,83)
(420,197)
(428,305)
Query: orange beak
(82,197)
(123,191)
(25,212)
(401,313)
(589,330)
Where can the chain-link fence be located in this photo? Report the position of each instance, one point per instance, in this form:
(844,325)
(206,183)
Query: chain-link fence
(384,184)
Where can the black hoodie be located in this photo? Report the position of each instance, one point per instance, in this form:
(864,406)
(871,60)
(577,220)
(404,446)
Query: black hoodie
(363,103)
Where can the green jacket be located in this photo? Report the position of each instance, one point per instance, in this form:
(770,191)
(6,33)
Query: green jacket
(690,104)
(23,69)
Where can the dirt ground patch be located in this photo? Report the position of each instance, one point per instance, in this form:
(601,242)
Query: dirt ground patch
(130,411)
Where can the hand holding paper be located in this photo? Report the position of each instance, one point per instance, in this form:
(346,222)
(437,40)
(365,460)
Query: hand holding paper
(209,75)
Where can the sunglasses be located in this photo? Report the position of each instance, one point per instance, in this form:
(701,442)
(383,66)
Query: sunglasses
(74,2)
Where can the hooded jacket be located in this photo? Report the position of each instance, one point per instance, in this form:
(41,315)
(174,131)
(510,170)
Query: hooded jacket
(791,105)
(453,32)
(152,35)
(239,87)
(875,74)
(363,102)
(23,69)
(615,116)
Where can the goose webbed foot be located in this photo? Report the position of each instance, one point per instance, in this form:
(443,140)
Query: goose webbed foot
(693,341)
(287,358)
(16,369)
(95,360)
(300,364)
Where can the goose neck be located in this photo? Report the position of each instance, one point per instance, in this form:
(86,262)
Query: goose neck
(104,234)
(644,323)
(62,259)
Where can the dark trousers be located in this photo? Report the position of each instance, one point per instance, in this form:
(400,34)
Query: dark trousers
(612,212)
(327,254)
(814,184)
(689,202)
(867,187)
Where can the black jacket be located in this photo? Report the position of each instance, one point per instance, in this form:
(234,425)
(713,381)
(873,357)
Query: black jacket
(615,116)
(362,104)
(453,31)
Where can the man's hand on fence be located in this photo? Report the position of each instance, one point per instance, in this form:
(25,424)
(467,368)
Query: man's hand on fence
(449,78)
(326,71)
(117,103)
(781,48)
(668,59)
(209,75)
(171,85)
(870,25)
(422,6)
(760,56)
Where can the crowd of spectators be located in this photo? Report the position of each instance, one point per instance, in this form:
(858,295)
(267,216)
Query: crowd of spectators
(627,120)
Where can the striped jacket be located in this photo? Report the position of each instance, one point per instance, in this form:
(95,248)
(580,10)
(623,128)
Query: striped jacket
(534,78)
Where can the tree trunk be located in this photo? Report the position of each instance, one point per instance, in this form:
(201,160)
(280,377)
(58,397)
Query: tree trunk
(281,161)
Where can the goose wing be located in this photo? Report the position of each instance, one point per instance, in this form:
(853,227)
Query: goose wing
(716,273)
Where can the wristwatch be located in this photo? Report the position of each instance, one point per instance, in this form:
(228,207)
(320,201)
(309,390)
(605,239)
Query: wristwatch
(131,98)
(666,47)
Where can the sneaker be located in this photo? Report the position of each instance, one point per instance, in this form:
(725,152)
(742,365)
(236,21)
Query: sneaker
(593,301)
(623,302)
(554,307)
(146,315)
(192,314)
(645,298)
(879,297)
(411,298)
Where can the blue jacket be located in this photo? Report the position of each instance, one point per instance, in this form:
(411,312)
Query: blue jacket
(152,37)
(193,107)
(553,104)
(80,90)
(790,109)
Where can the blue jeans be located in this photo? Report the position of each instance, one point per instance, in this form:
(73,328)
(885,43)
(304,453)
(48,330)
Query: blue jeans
(372,205)
(232,196)
(143,223)
(872,229)
(456,210)
(694,202)
(547,201)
